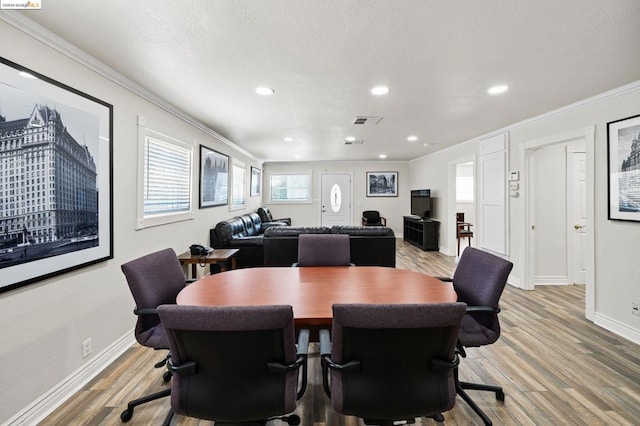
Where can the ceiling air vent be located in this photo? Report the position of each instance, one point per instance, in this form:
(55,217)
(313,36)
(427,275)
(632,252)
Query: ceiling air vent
(354,142)
(367,119)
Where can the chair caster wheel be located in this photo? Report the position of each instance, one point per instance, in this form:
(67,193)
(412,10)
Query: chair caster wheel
(438,418)
(293,420)
(126,415)
(500,395)
(166,376)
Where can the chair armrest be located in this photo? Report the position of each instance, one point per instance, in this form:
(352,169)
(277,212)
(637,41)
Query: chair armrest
(493,309)
(437,364)
(383,220)
(325,343)
(184,369)
(145,311)
(301,361)
(303,342)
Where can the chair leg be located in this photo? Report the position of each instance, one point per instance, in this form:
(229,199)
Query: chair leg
(460,390)
(126,415)
(167,420)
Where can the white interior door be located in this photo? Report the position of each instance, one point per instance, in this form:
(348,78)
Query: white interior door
(576,215)
(336,199)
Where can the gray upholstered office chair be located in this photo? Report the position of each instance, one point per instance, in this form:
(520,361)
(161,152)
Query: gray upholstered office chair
(373,218)
(324,250)
(154,279)
(235,364)
(479,281)
(389,363)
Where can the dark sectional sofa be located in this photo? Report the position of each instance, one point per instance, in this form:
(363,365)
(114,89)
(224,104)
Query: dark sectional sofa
(369,245)
(275,243)
(244,233)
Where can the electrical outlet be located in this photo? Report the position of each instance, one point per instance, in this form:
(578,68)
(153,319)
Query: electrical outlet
(635,309)
(86,348)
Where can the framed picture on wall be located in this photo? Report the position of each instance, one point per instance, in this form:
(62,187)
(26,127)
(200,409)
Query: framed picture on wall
(56,185)
(214,178)
(382,184)
(256,181)
(623,152)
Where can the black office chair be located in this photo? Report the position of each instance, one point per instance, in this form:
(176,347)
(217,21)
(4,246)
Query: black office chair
(479,281)
(324,250)
(235,364)
(154,279)
(391,363)
(373,218)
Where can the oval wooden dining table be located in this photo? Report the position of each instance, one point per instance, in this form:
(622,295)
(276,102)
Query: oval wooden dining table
(312,291)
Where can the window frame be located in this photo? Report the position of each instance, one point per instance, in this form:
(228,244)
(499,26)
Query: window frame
(145,221)
(309,198)
(237,165)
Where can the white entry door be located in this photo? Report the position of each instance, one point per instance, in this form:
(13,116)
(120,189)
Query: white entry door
(576,215)
(336,199)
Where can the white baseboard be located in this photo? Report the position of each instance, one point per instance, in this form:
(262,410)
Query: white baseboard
(57,395)
(615,326)
(551,280)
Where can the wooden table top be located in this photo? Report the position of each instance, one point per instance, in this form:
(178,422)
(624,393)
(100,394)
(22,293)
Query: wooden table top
(312,291)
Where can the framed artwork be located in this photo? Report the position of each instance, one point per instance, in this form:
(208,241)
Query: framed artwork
(382,184)
(623,157)
(256,181)
(56,185)
(214,178)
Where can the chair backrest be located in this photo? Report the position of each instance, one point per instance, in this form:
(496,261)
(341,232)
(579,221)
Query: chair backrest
(154,279)
(228,349)
(323,250)
(479,280)
(406,356)
(460,217)
(372,216)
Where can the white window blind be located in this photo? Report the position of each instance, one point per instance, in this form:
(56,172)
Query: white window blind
(167,177)
(238,172)
(290,187)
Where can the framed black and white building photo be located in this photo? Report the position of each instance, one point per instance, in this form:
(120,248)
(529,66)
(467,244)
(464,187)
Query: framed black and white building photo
(56,177)
(623,139)
(382,184)
(214,178)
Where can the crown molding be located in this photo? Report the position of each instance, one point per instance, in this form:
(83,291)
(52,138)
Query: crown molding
(50,39)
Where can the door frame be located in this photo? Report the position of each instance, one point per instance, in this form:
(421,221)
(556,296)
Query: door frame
(572,271)
(350,174)
(449,224)
(527,149)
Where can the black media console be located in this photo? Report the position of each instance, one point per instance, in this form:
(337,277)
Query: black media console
(421,232)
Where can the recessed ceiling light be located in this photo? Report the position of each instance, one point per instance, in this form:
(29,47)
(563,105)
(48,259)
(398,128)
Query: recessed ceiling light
(288,139)
(350,139)
(425,144)
(382,156)
(265,91)
(380,90)
(496,90)
(412,138)
(26,74)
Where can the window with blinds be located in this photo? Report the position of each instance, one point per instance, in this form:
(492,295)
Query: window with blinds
(238,172)
(167,172)
(165,169)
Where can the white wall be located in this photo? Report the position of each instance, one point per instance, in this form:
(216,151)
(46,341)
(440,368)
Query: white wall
(616,242)
(392,208)
(43,324)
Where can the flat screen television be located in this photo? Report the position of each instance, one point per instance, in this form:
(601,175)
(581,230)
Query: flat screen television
(421,202)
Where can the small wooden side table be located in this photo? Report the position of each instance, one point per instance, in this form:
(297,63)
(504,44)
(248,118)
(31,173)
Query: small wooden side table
(222,256)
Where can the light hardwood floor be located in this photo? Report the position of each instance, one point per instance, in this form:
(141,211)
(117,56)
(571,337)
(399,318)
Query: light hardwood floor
(556,369)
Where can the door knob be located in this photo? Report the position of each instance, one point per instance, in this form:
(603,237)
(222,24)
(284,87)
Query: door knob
(577,226)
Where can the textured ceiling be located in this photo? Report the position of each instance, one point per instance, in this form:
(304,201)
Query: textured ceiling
(322,58)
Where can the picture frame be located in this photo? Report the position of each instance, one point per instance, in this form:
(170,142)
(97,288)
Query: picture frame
(256,182)
(214,178)
(56,145)
(382,184)
(623,166)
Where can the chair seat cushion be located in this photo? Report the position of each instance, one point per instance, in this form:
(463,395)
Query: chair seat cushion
(473,333)
(155,337)
(461,233)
